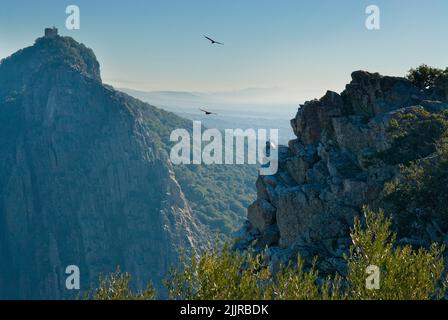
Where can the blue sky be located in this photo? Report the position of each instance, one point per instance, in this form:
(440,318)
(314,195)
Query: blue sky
(299,47)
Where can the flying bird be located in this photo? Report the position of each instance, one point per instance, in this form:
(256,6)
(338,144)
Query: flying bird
(207,113)
(213,41)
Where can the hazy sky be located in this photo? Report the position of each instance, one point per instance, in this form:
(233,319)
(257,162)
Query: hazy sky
(299,47)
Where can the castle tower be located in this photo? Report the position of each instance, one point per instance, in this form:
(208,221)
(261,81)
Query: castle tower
(51,32)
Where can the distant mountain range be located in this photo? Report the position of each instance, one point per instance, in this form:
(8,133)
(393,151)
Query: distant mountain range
(249,98)
(236,109)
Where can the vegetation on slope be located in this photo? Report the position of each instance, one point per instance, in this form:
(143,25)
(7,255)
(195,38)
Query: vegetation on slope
(225,274)
(429,78)
(218,194)
(419,195)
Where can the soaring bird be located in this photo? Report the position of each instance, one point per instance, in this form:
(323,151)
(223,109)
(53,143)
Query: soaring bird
(207,113)
(213,41)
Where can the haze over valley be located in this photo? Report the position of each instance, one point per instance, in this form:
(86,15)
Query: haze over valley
(235,109)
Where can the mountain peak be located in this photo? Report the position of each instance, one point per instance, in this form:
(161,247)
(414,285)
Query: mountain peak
(52,51)
(66,49)
(92,165)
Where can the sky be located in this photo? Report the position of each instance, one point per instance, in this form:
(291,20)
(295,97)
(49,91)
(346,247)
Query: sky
(293,49)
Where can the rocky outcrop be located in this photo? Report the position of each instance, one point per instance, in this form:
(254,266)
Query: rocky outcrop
(84,177)
(330,170)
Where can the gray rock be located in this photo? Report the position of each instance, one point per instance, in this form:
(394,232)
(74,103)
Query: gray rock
(297,168)
(261,214)
(270,236)
(335,167)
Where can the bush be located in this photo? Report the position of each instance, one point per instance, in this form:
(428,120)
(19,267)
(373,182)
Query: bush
(116,286)
(418,196)
(225,274)
(220,275)
(414,134)
(405,273)
(426,77)
(294,283)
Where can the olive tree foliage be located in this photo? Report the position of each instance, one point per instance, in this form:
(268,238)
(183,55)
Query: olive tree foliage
(117,286)
(225,274)
(432,79)
(405,273)
(426,77)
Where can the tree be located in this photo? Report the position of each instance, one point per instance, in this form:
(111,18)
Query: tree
(426,77)
(220,275)
(225,274)
(405,274)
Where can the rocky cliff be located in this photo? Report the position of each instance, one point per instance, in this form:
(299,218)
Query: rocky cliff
(84,177)
(334,167)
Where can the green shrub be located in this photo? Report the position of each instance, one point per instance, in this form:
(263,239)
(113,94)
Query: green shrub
(426,77)
(418,196)
(414,134)
(294,283)
(405,273)
(220,275)
(116,286)
(225,274)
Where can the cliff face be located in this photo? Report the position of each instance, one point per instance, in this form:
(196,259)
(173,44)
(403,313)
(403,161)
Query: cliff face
(84,177)
(331,170)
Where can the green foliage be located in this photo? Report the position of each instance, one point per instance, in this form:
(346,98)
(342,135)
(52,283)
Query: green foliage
(414,133)
(220,275)
(418,196)
(116,286)
(225,274)
(405,273)
(426,77)
(217,194)
(294,283)
(230,275)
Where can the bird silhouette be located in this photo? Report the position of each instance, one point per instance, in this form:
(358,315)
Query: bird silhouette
(213,41)
(207,113)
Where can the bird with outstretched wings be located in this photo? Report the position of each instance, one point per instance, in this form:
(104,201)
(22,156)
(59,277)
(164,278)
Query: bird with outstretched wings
(207,113)
(213,41)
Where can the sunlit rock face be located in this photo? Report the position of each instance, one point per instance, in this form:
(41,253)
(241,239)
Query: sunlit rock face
(83,177)
(330,170)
